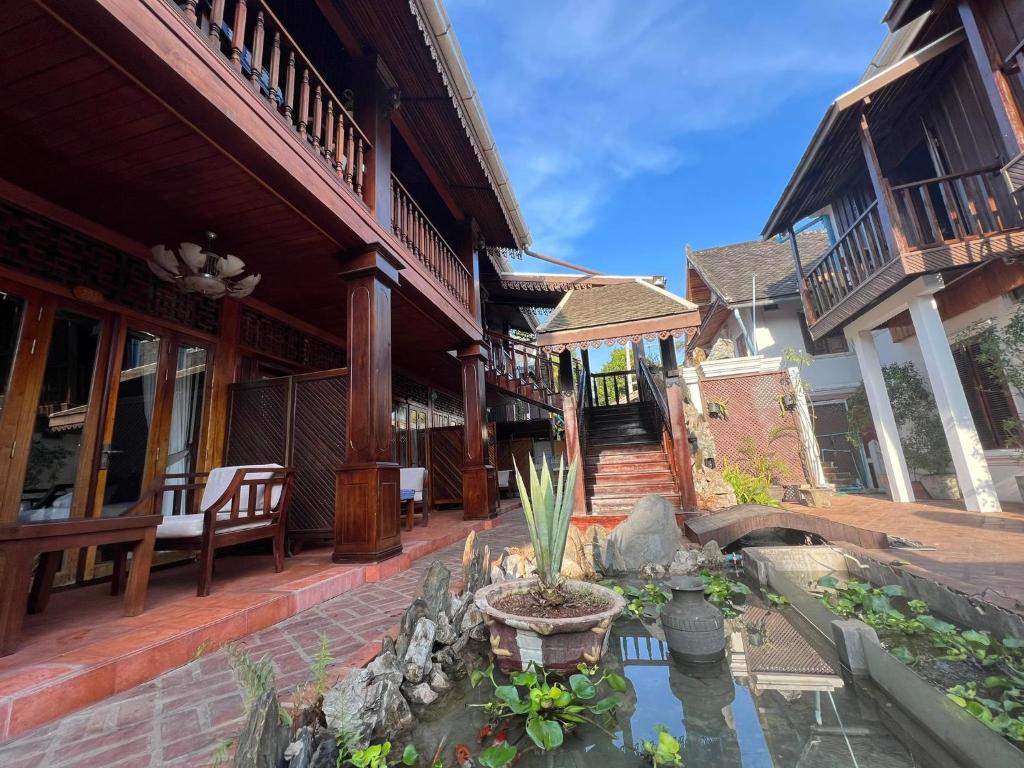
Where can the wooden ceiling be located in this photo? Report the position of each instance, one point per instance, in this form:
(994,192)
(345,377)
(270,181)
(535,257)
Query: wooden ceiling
(81,133)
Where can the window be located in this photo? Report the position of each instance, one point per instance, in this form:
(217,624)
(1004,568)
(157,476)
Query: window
(990,402)
(740,343)
(833,343)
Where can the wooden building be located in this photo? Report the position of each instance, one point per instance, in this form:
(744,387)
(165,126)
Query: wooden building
(339,149)
(917,168)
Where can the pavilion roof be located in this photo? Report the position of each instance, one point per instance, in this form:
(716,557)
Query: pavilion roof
(629,310)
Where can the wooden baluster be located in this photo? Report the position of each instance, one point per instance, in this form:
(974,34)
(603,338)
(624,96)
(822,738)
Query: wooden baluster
(238,34)
(359,167)
(934,230)
(350,154)
(289,87)
(216,20)
(257,52)
(318,116)
(329,133)
(952,211)
(908,218)
(304,102)
(275,70)
(974,214)
(190,11)
(339,156)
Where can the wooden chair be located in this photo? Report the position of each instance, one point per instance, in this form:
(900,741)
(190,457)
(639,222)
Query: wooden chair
(237,505)
(415,478)
(504,482)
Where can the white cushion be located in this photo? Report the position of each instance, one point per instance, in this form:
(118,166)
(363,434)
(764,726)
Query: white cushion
(412,478)
(504,478)
(220,478)
(186,526)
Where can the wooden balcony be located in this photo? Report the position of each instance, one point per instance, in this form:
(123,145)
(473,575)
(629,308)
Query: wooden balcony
(422,240)
(267,56)
(938,223)
(521,369)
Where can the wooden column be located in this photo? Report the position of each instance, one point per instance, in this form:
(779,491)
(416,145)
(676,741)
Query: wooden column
(798,269)
(675,392)
(366,513)
(893,237)
(585,359)
(225,368)
(479,500)
(573,447)
(993,80)
(466,250)
(374,86)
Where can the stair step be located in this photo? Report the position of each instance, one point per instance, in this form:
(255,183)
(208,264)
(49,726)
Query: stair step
(619,441)
(625,430)
(636,487)
(623,504)
(605,458)
(651,474)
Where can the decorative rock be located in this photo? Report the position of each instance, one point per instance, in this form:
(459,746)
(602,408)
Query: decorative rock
(439,680)
(386,665)
(416,610)
(649,535)
(421,646)
(723,349)
(475,565)
(420,695)
(299,753)
(435,590)
(326,755)
(263,738)
(368,707)
(714,558)
(686,562)
(445,633)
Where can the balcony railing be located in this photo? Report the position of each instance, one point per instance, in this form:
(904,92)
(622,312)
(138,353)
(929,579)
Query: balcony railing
(423,241)
(858,253)
(955,207)
(253,40)
(522,364)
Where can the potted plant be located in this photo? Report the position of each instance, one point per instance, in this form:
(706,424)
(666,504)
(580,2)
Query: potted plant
(547,620)
(717,409)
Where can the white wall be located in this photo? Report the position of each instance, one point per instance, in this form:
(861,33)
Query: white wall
(828,377)
(1005,465)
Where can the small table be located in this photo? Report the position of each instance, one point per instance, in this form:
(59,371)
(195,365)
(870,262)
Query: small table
(20,543)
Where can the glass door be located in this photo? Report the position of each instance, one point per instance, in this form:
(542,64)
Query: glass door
(187,399)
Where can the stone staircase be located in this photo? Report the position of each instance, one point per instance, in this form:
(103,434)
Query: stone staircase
(625,459)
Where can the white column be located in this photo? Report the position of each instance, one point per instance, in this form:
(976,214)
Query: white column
(972,473)
(816,470)
(882,416)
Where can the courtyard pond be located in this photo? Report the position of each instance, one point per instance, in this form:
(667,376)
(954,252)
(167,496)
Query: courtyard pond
(753,709)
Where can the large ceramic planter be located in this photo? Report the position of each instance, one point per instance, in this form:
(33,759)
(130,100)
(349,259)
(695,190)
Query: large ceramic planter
(694,629)
(816,497)
(555,644)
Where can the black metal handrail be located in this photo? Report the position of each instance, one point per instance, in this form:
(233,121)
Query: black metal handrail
(651,392)
(582,393)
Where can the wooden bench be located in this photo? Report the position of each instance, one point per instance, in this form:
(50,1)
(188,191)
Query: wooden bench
(235,505)
(20,543)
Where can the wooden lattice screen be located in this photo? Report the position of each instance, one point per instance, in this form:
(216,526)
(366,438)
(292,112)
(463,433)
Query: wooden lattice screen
(446,444)
(297,421)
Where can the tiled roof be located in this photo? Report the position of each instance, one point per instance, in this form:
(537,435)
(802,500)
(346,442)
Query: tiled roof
(727,268)
(609,304)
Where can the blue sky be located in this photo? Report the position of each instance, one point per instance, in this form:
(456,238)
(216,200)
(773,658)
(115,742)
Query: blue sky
(633,127)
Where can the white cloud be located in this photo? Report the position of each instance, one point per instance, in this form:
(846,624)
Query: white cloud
(584,95)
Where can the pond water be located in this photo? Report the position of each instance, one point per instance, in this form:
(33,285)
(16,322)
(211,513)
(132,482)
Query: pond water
(721,719)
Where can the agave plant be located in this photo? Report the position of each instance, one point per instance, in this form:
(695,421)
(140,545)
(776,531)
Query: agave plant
(548,509)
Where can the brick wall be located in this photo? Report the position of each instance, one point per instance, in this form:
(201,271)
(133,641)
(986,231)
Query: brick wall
(752,405)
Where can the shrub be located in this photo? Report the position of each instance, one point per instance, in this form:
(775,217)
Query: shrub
(750,489)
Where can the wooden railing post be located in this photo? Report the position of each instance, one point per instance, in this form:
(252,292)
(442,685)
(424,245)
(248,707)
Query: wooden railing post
(238,34)
(798,269)
(893,236)
(373,115)
(478,501)
(573,429)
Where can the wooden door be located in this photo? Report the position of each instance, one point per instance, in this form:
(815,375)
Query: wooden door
(446,464)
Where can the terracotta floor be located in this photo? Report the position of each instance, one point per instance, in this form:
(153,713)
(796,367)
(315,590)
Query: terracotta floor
(82,650)
(981,554)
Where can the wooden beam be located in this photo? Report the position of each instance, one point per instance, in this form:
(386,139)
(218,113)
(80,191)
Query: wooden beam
(893,237)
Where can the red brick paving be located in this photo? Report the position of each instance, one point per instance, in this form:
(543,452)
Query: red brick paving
(178,718)
(981,554)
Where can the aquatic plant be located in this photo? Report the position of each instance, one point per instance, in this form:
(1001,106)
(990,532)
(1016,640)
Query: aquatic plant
(376,756)
(721,591)
(1005,714)
(548,510)
(664,750)
(639,600)
(547,710)
(499,755)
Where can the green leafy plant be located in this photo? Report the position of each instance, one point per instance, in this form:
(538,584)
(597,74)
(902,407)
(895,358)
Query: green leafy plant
(221,753)
(750,489)
(872,605)
(549,709)
(376,756)
(765,464)
(498,755)
(307,699)
(255,678)
(548,511)
(641,600)
(664,750)
(723,592)
(999,704)
(773,599)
